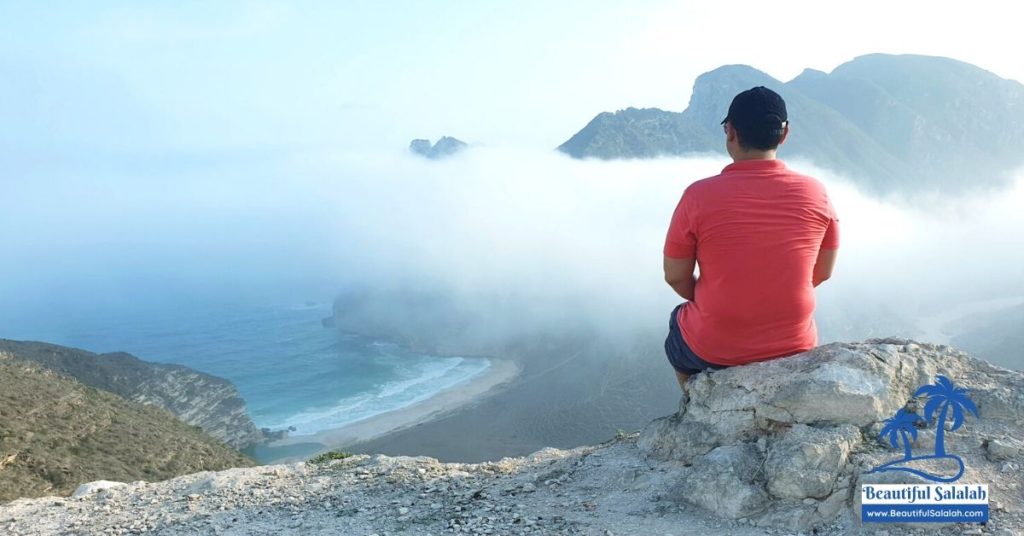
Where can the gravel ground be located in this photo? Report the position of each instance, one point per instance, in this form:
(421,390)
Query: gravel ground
(601,490)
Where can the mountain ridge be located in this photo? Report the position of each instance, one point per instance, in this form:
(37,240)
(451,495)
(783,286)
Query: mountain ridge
(890,122)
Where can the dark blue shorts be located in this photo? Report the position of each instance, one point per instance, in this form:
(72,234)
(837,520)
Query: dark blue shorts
(680,356)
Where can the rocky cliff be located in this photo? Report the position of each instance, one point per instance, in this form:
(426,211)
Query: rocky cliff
(778,447)
(893,123)
(199,399)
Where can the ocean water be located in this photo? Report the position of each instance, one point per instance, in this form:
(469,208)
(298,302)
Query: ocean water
(292,372)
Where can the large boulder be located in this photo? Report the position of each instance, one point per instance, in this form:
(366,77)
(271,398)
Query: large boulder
(787,442)
(725,482)
(807,461)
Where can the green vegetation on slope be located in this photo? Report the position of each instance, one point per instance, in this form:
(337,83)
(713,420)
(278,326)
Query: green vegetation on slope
(330,456)
(175,388)
(56,433)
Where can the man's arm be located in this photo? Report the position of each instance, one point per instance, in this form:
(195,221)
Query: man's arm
(679,276)
(824,265)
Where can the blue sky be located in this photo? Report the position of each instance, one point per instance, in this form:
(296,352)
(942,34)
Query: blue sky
(196,77)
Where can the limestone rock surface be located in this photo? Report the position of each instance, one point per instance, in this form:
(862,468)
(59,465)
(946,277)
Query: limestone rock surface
(787,442)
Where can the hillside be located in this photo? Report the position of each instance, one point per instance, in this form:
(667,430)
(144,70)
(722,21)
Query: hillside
(206,401)
(892,123)
(56,433)
(783,447)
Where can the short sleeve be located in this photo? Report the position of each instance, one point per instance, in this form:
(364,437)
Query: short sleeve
(681,241)
(831,238)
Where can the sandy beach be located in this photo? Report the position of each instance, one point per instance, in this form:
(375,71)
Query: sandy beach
(498,375)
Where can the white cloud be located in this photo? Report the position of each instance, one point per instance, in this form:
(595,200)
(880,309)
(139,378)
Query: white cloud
(536,222)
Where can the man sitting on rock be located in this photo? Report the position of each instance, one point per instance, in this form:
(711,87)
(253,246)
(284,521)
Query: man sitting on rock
(762,235)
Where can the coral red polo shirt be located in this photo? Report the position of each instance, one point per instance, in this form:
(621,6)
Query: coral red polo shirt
(755,231)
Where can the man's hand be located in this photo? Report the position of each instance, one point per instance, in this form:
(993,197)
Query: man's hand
(823,266)
(679,276)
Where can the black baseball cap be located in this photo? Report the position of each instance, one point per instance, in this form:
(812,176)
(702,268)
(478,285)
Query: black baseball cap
(757,107)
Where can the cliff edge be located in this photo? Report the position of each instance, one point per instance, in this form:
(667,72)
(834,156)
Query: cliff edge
(779,447)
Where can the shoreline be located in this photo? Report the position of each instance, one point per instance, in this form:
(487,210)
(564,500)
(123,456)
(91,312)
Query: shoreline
(499,374)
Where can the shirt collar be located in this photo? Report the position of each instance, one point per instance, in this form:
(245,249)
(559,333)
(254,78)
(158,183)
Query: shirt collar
(755,165)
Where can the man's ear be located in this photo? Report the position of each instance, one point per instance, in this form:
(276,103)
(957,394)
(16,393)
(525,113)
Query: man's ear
(785,134)
(731,133)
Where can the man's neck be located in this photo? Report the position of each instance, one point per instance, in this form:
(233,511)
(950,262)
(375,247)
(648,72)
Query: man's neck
(754,155)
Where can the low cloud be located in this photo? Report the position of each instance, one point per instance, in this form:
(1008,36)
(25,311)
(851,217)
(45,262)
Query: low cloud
(549,234)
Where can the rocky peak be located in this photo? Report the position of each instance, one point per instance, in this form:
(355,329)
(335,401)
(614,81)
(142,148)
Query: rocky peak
(714,90)
(445,146)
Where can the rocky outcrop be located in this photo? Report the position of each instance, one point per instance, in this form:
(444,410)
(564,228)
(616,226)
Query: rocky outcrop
(787,442)
(206,401)
(446,146)
(199,399)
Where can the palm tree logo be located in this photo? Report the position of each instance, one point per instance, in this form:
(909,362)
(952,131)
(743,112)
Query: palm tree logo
(900,429)
(945,397)
(947,400)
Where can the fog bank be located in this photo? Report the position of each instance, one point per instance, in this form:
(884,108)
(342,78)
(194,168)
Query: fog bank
(551,236)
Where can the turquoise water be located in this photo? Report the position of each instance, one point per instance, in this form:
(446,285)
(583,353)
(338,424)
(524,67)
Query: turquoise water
(291,370)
